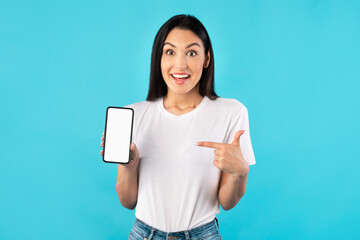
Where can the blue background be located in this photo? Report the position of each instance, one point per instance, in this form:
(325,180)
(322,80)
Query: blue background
(294,64)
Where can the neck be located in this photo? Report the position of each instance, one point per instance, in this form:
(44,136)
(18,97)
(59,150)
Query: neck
(182,101)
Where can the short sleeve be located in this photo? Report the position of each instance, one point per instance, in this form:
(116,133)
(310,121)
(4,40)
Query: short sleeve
(134,128)
(240,121)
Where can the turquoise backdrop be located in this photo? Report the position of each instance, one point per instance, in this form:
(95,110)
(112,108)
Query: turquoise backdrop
(294,64)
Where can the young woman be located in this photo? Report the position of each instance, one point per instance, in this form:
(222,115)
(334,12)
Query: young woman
(191,149)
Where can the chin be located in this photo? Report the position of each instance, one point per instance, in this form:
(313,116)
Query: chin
(179,91)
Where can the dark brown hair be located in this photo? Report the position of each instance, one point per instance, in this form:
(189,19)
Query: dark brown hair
(157,87)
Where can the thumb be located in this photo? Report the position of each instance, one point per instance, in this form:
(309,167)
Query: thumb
(134,151)
(216,164)
(132,146)
(236,140)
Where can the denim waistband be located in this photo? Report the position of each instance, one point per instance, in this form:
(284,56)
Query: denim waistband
(149,232)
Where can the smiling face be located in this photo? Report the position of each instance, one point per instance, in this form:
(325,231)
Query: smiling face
(182,61)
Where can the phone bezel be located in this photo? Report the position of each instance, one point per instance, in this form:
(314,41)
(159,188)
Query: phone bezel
(132,124)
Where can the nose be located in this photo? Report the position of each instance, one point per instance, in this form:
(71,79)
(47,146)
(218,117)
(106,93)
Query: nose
(180,62)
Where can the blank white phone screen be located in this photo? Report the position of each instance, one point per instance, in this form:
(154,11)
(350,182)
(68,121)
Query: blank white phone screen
(118,132)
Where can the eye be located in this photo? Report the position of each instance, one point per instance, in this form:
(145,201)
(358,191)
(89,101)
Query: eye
(169,52)
(191,53)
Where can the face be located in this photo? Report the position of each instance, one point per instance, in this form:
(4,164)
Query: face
(182,61)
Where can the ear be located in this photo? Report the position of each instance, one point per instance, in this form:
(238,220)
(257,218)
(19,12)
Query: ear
(207,60)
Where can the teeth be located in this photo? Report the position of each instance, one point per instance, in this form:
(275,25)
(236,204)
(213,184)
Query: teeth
(180,76)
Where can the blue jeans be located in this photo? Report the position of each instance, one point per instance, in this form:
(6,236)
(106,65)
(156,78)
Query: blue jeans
(208,231)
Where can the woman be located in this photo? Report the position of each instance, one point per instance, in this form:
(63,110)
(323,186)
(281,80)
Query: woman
(188,157)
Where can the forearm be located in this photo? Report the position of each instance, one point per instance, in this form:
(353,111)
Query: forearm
(232,191)
(127,188)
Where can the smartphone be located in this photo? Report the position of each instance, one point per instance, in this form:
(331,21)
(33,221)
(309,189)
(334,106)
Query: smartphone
(118,134)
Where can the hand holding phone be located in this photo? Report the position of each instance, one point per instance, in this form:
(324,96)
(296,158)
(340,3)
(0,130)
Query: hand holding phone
(117,137)
(134,155)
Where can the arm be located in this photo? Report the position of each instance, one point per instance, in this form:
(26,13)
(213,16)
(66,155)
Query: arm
(127,186)
(127,178)
(234,170)
(232,188)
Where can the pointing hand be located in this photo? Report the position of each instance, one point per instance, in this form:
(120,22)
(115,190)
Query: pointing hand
(228,157)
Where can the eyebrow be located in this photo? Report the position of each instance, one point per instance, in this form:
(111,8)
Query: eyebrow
(192,44)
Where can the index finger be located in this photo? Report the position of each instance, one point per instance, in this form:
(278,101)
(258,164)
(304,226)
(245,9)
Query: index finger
(209,144)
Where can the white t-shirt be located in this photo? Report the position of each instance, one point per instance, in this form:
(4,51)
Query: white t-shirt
(178,183)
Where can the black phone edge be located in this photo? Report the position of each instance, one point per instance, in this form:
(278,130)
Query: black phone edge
(132,122)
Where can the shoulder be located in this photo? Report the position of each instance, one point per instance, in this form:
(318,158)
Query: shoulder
(142,105)
(137,104)
(229,104)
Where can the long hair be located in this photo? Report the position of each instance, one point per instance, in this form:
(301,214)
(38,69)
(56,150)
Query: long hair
(157,86)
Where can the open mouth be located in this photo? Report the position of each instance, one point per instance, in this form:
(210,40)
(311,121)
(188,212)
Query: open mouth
(180,77)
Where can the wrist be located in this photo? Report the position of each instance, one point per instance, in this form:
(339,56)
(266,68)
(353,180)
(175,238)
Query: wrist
(130,171)
(239,176)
